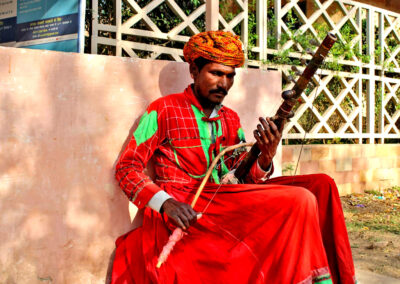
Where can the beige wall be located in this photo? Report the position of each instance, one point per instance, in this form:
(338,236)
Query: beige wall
(355,168)
(390,5)
(64,119)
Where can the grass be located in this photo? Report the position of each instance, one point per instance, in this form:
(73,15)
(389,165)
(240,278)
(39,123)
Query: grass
(373,224)
(373,210)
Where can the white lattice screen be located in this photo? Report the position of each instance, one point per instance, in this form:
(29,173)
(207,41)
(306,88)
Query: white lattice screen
(361,101)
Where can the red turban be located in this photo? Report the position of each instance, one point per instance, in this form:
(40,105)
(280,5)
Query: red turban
(217,46)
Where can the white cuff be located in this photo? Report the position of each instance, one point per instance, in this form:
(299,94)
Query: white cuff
(267,171)
(157,200)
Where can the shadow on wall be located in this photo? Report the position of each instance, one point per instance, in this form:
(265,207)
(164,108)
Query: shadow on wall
(174,78)
(62,120)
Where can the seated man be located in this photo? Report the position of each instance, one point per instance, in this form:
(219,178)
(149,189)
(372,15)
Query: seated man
(263,231)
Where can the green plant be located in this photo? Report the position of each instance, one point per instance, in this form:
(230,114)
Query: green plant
(335,140)
(288,169)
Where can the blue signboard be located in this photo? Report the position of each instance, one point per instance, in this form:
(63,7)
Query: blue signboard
(42,24)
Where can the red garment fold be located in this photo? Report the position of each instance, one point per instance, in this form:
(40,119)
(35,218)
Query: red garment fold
(332,223)
(248,234)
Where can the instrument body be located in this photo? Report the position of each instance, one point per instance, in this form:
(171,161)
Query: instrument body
(290,98)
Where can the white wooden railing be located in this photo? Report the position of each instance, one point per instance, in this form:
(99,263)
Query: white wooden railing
(361,103)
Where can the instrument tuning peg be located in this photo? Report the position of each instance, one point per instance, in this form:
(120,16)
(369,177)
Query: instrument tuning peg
(296,70)
(303,61)
(314,42)
(309,51)
(288,95)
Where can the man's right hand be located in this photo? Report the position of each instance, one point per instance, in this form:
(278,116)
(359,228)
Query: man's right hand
(181,213)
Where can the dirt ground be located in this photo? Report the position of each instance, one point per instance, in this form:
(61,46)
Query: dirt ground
(373,223)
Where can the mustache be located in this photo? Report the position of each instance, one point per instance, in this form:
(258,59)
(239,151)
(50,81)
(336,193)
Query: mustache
(219,90)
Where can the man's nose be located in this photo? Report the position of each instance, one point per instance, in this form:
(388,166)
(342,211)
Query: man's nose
(223,82)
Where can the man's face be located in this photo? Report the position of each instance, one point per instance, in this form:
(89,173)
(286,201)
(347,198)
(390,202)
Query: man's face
(212,82)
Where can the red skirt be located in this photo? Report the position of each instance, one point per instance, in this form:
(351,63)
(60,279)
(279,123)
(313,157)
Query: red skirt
(266,233)
(332,223)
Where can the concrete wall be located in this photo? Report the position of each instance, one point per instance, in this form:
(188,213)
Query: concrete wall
(355,168)
(64,119)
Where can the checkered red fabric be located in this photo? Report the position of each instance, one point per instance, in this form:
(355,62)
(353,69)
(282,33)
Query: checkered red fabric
(173,132)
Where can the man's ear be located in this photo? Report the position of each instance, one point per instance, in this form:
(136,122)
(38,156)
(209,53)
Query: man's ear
(194,71)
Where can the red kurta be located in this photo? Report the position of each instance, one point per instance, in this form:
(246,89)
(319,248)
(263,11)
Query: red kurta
(251,233)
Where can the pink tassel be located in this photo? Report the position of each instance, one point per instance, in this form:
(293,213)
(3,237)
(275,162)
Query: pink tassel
(176,236)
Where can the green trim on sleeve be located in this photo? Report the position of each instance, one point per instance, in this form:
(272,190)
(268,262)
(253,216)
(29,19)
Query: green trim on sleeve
(147,127)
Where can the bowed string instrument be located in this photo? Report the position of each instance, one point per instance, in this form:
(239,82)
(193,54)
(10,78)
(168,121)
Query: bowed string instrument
(290,98)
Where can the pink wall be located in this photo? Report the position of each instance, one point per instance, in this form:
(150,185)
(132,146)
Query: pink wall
(64,119)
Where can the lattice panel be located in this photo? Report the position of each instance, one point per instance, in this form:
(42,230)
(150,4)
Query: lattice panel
(146,23)
(391,41)
(330,15)
(327,111)
(345,114)
(391,108)
(233,17)
(137,33)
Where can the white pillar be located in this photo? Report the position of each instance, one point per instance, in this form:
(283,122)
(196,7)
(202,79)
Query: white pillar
(95,22)
(278,28)
(118,23)
(212,14)
(371,73)
(262,28)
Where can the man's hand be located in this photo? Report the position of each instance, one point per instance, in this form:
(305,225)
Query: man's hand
(181,213)
(268,137)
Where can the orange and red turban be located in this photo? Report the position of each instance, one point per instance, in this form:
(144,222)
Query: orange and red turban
(217,46)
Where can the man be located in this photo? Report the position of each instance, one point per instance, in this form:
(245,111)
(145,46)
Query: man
(259,232)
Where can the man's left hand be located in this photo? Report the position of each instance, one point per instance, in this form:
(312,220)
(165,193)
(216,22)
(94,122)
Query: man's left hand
(268,137)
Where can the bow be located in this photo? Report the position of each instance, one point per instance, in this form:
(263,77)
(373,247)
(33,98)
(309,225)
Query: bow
(178,233)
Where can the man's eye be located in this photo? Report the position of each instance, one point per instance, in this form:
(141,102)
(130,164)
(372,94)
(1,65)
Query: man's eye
(217,73)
